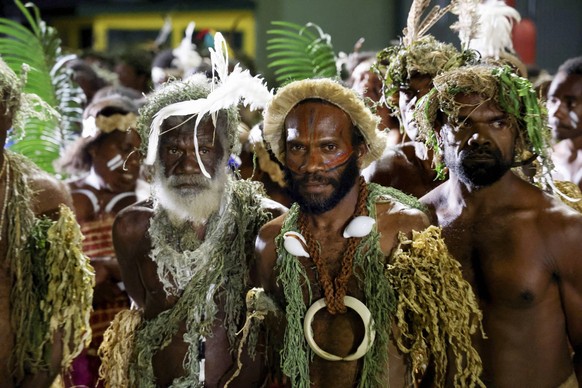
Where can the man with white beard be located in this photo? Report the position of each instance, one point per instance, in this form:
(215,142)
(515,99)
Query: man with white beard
(185,253)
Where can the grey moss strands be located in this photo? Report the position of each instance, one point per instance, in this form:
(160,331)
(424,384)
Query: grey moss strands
(217,265)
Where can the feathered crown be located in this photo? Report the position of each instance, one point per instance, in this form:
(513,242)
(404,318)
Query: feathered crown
(493,36)
(227,90)
(419,52)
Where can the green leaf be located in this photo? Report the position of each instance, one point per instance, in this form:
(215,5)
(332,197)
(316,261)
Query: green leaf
(300,52)
(40,48)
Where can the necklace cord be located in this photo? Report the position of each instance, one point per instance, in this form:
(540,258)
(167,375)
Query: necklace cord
(335,290)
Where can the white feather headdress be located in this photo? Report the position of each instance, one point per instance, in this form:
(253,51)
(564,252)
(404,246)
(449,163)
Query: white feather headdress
(227,90)
(494,34)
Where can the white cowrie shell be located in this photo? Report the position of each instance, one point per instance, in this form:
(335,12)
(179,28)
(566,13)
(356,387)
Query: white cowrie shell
(359,227)
(295,244)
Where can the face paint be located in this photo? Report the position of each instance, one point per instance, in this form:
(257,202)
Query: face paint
(115,162)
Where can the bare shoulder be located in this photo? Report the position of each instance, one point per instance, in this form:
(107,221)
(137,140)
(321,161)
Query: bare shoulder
(268,233)
(560,221)
(266,253)
(274,207)
(394,217)
(133,221)
(434,200)
(48,193)
(403,216)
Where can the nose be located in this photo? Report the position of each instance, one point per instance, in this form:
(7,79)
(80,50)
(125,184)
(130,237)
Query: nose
(478,139)
(313,162)
(189,164)
(557,109)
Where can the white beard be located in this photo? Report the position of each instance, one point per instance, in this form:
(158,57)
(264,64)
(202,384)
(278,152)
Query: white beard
(193,205)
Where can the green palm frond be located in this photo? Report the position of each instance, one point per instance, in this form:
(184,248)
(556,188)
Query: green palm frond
(299,53)
(40,48)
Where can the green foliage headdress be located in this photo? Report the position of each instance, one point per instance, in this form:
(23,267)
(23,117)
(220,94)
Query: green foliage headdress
(514,95)
(418,53)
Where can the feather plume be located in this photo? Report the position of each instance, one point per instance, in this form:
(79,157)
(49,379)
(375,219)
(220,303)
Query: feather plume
(413,21)
(188,57)
(468,22)
(494,34)
(433,16)
(228,89)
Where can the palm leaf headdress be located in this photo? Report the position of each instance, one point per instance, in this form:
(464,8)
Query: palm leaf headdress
(43,133)
(297,52)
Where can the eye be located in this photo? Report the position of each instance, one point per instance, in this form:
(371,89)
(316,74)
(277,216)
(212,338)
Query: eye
(173,151)
(330,147)
(498,124)
(203,151)
(296,147)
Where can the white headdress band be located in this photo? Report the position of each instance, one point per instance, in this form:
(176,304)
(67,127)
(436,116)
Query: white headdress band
(227,90)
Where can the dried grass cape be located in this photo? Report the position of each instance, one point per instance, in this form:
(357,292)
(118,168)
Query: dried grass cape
(333,92)
(421,291)
(52,280)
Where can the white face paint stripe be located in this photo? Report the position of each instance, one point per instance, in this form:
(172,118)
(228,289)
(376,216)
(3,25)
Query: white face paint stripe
(574,119)
(292,134)
(115,162)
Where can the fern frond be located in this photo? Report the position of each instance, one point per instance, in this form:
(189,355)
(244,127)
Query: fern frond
(298,52)
(40,48)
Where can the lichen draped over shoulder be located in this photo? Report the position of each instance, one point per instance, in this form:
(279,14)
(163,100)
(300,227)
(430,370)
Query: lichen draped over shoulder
(422,279)
(218,265)
(53,280)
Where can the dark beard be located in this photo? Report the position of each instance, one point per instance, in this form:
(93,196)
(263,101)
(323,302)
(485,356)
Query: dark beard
(477,174)
(315,204)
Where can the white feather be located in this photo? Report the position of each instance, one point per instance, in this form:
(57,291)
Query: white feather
(228,90)
(496,23)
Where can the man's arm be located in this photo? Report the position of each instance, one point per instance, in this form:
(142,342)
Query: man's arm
(132,244)
(570,270)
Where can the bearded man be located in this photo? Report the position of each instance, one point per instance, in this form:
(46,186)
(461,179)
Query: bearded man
(519,247)
(184,254)
(345,266)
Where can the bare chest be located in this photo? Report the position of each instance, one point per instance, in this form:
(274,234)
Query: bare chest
(504,258)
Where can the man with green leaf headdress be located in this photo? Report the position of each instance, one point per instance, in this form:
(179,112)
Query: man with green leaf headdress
(46,282)
(407,70)
(518,246)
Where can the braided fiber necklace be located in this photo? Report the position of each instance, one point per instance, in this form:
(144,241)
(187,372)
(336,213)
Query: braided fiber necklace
(335,290)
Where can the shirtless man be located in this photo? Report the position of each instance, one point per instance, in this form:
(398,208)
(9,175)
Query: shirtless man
(565,116)
(408,72)
(323,134)
(184,255)
(32,353)
(518,246)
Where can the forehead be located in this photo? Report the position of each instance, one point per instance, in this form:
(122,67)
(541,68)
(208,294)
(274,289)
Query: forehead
(566,84)
(419,81)
(473,103)
(176,128)
(318,116)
